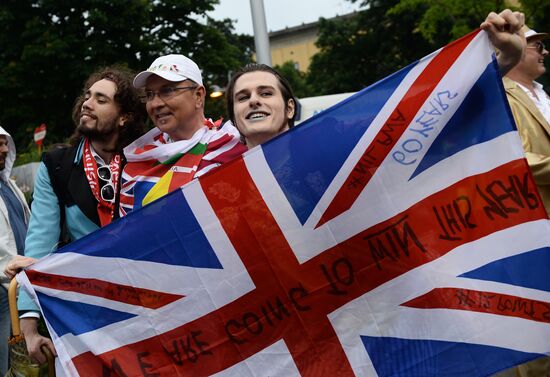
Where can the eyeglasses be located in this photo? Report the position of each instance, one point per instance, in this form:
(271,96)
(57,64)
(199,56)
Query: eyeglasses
(164,93)
(539,46)
(107,191)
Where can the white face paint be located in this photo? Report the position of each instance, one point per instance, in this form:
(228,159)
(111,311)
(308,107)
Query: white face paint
(259,108)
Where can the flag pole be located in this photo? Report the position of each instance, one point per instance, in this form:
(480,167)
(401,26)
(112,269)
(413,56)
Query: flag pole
(261,38)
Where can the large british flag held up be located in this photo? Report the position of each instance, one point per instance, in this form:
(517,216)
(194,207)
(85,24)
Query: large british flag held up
(399,233)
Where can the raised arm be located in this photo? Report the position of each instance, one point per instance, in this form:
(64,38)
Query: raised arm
(504,31)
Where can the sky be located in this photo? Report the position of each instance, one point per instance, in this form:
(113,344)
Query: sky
(281,13)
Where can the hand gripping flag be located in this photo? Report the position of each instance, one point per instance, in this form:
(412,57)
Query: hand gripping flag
(398,233)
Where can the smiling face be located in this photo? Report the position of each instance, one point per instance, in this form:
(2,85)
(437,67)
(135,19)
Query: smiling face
(99,116)
(532,62)
(259,107)
(181,114)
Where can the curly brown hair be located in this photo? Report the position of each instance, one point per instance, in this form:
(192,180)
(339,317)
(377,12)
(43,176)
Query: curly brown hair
(126,97)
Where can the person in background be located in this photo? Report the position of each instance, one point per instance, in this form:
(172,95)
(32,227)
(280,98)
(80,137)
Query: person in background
(531,109)
(184,144)
(76,186)
(260,102)
(14,217)
(530,106)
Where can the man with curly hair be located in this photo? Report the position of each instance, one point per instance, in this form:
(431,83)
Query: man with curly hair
(76,186)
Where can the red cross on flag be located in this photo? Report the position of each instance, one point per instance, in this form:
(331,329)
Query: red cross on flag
(398,233)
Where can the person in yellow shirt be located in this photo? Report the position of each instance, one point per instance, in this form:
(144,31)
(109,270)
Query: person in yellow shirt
(530,106)
(531,109)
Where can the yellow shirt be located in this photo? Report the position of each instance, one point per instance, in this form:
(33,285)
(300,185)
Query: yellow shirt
(534,131)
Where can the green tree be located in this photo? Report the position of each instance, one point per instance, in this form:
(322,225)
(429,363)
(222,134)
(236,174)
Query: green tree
(445,20)
(235,52)
(358,50)
(48,48)
(537,14)
(296,78)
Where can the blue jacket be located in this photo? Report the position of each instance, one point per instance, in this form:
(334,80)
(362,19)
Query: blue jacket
(44,227)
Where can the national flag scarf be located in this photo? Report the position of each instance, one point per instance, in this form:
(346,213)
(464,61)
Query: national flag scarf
(105,208)
(157,166)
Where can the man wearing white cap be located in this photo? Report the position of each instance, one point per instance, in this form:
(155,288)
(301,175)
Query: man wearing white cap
(531,109)
(75,186)
(184,144)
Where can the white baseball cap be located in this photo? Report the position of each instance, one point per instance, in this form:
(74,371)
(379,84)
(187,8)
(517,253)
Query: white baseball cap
(172,68)
(531,34)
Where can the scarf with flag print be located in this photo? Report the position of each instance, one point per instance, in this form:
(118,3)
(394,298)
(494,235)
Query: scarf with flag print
(156,166)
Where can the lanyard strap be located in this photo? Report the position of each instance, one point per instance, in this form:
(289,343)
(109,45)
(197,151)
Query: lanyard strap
(105,209)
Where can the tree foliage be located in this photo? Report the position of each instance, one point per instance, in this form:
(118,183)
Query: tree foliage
(445,20)
(358,50)
(537,14)
(386,35)
(48,48)
(296,79)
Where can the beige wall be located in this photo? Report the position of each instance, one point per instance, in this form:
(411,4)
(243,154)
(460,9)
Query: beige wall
(297,46)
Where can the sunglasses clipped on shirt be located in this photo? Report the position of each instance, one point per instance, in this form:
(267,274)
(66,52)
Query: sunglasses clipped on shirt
(538,45)
(107,191)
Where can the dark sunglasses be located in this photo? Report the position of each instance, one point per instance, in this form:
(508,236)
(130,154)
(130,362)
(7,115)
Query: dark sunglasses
(538,45)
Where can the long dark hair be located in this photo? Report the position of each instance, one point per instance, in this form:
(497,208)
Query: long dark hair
(126,97)
(284,86)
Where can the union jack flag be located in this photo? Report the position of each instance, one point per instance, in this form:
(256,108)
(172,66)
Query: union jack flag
(398,233)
